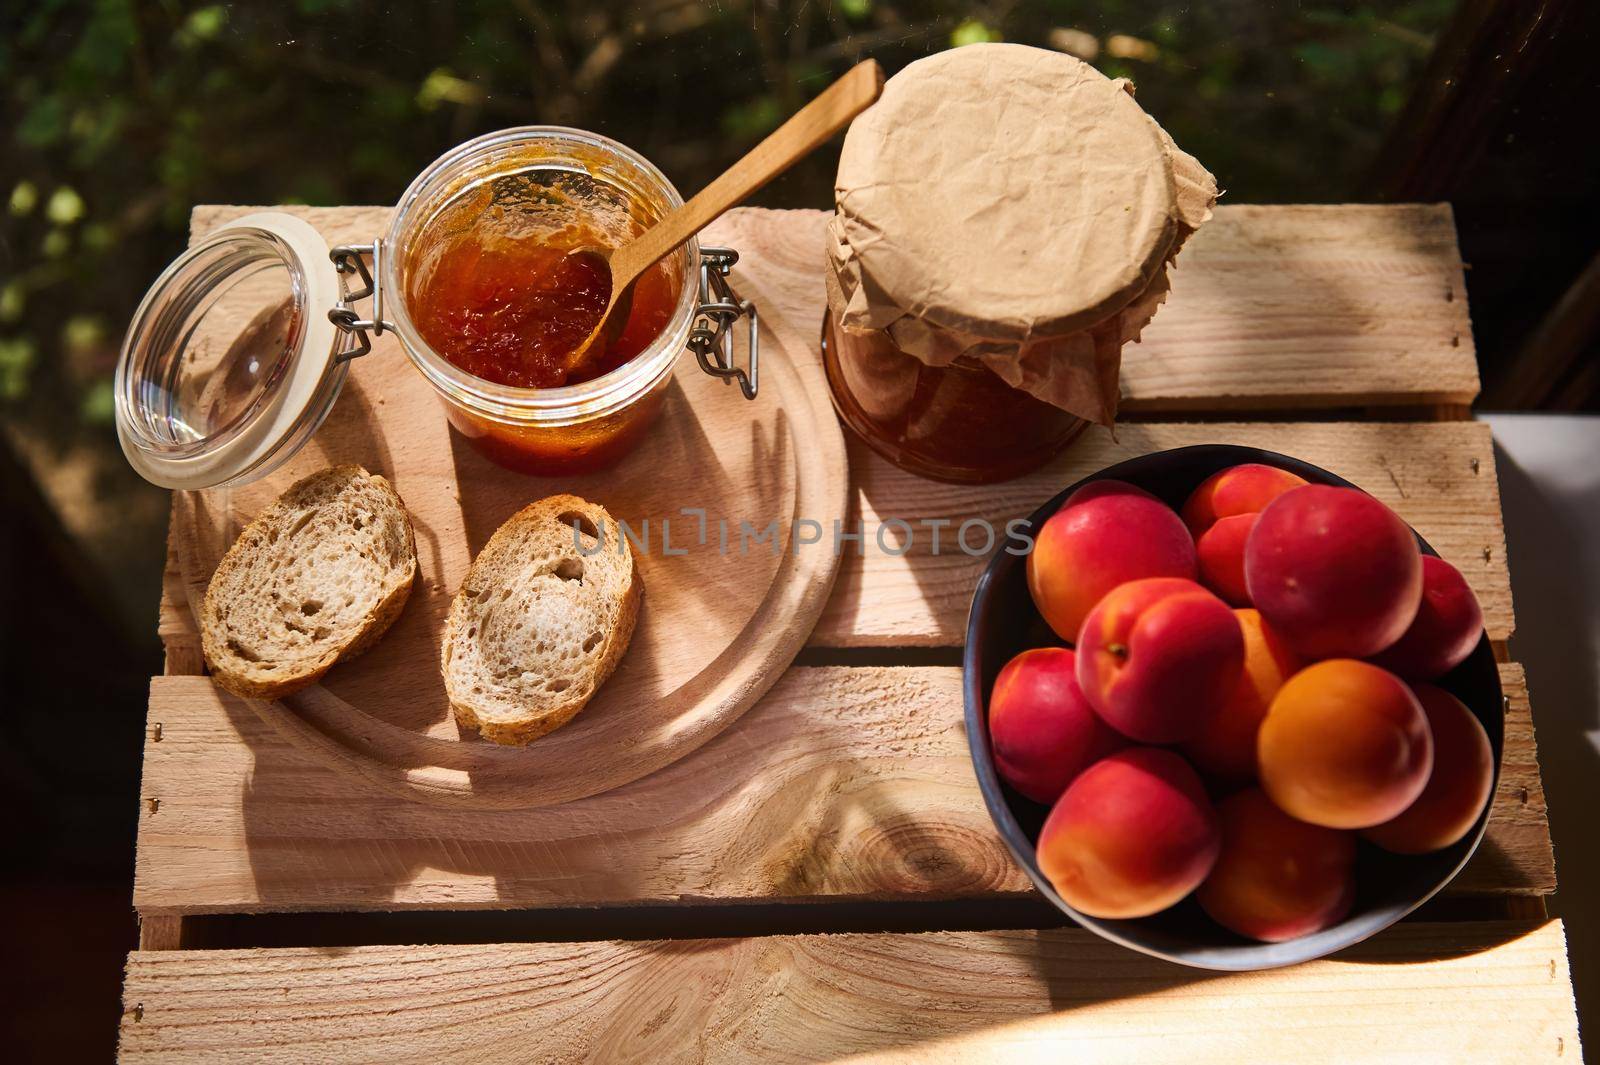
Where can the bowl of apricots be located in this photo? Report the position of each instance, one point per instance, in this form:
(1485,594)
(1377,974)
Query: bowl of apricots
(1230,710)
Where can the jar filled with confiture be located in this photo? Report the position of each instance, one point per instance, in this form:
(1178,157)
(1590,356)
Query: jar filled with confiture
(1005,218)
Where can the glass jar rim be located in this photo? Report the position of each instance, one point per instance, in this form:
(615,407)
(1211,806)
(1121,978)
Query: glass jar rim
(149,344)
(299,391)
(588,399)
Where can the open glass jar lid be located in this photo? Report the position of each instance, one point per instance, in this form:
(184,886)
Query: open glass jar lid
(231,361)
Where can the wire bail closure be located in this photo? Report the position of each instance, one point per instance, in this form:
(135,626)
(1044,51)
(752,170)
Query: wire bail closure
(711,339)
(352,259)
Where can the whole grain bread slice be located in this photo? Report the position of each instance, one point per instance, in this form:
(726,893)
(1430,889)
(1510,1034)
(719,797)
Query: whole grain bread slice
(541,620)
(315,579)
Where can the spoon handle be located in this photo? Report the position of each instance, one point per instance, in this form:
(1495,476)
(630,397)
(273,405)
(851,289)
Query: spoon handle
(810,126)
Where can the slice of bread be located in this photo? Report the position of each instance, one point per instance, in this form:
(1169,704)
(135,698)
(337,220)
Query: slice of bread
(314,580)
(539,623)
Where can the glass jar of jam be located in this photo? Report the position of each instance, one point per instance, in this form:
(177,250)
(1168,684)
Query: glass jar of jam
(239,350)
(471,238)
(958,422)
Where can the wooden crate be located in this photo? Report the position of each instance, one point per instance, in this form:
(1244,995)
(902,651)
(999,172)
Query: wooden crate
(1337,334)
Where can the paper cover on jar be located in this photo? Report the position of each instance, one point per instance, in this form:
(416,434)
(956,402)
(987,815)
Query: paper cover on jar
(1015,206)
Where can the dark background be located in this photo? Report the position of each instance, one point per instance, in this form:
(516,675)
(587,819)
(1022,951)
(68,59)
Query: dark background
(120,115)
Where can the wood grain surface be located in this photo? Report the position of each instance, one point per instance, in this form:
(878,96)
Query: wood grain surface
(1444,993)
(252,826)
(704,648)
(844,782)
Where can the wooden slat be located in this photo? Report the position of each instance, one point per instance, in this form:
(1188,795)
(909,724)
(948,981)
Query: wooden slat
(1425,471)
(1417,993)
(1272,308)
(1515,855)
(842,783)
(180,636)
(1439,476)
(1310,306)
(161,932)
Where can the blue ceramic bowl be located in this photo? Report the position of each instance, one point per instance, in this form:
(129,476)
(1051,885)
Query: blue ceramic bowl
(1003,622)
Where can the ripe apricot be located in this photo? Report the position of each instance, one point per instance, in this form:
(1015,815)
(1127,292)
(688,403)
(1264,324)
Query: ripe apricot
(1448,626)
(1457,790)
(1105,534)
(1345,745)
(1042,729)
(1226,748)
(1334,570)
(1277,878)
(1131,836)
(1158,658)
(1220,514)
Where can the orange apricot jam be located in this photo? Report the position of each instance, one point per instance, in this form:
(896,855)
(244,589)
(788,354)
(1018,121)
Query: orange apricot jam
(544,451)
(514,313)
(958,423)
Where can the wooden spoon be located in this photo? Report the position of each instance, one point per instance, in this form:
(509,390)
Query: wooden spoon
(796,138)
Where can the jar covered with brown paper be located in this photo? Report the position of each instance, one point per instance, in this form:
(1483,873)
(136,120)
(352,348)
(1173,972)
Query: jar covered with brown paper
(1005,220)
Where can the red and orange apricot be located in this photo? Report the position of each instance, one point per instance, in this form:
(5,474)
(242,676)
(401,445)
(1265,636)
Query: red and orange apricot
(1105,534)
(1221,513)
(1042,729)
(1225,748)
(1457,790)
(1334,570)
(1277,878)
(1159,657)
(1134,834)
(1448,625)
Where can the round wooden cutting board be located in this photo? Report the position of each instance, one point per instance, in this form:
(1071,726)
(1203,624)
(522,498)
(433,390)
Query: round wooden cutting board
(717,628)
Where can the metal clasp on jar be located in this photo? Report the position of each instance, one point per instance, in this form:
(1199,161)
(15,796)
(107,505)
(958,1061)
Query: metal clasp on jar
(352,259)
(711,340)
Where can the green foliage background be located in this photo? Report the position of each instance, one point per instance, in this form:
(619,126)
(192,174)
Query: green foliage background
(120,115)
